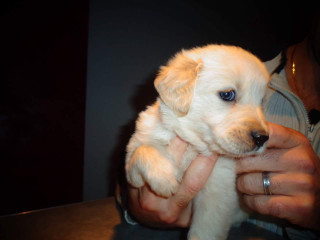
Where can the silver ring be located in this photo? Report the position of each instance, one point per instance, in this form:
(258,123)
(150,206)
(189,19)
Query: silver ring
(266,183)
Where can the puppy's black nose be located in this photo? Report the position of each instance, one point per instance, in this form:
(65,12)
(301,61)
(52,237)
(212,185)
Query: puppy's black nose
(259,138)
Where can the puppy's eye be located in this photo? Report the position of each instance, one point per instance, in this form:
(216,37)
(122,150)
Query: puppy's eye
(228,96)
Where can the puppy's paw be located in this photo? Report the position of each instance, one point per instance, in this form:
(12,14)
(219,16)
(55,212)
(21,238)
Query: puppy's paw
(134,176)
(163,183)
(147,165)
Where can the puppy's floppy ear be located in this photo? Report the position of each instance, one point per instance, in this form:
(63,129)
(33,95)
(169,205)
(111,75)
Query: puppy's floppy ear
(175,82)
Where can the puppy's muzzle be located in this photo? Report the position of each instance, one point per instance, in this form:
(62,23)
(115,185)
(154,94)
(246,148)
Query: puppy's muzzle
(259,138)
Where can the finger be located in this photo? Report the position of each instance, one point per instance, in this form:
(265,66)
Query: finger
(151,202)
(177,208)
(295,209)
(163,212)
(267,161)
(278,160)
(194,180)
(283,137)
(289,184)
(287,150)
(138,210)
(153,210)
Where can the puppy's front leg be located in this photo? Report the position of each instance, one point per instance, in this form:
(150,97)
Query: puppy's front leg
(148,165)
(215,204)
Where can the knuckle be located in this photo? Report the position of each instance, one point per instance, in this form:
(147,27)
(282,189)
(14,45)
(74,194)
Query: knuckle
(167,217)
(305,205)
(181,202)
(306,159)
(306,164)
(193,186)
(307,184)
(183,224)
(304,141)
(310,166)
(146,204)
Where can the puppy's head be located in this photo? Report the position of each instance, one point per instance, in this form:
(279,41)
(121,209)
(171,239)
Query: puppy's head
(215,92)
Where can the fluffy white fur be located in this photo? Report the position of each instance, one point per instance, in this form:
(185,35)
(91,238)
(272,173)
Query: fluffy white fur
(190,106)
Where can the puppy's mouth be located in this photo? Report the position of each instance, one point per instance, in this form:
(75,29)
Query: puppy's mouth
(255,143)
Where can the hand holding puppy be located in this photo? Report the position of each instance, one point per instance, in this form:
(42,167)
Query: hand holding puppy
(176,210)
(294,171)
(294,174)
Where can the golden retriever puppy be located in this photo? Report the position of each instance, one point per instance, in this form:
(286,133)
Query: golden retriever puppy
(211,98)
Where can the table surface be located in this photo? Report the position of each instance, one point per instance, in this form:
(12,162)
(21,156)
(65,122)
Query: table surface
(97,220)
(88,220)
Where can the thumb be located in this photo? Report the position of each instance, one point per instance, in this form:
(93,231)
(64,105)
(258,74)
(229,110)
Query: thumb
(194,179)
(283,137)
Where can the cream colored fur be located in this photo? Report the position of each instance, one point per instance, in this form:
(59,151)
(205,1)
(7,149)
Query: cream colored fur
(190,106)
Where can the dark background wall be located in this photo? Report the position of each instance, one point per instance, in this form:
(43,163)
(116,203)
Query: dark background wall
(43,52)
(75,74)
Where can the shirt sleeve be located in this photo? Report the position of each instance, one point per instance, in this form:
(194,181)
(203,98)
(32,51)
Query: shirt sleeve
(121,199)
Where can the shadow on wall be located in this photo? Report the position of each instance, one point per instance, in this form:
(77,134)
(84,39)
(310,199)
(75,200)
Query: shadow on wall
(144,95)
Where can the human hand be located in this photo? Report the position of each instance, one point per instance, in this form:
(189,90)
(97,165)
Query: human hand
(294,172)
(175,211)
